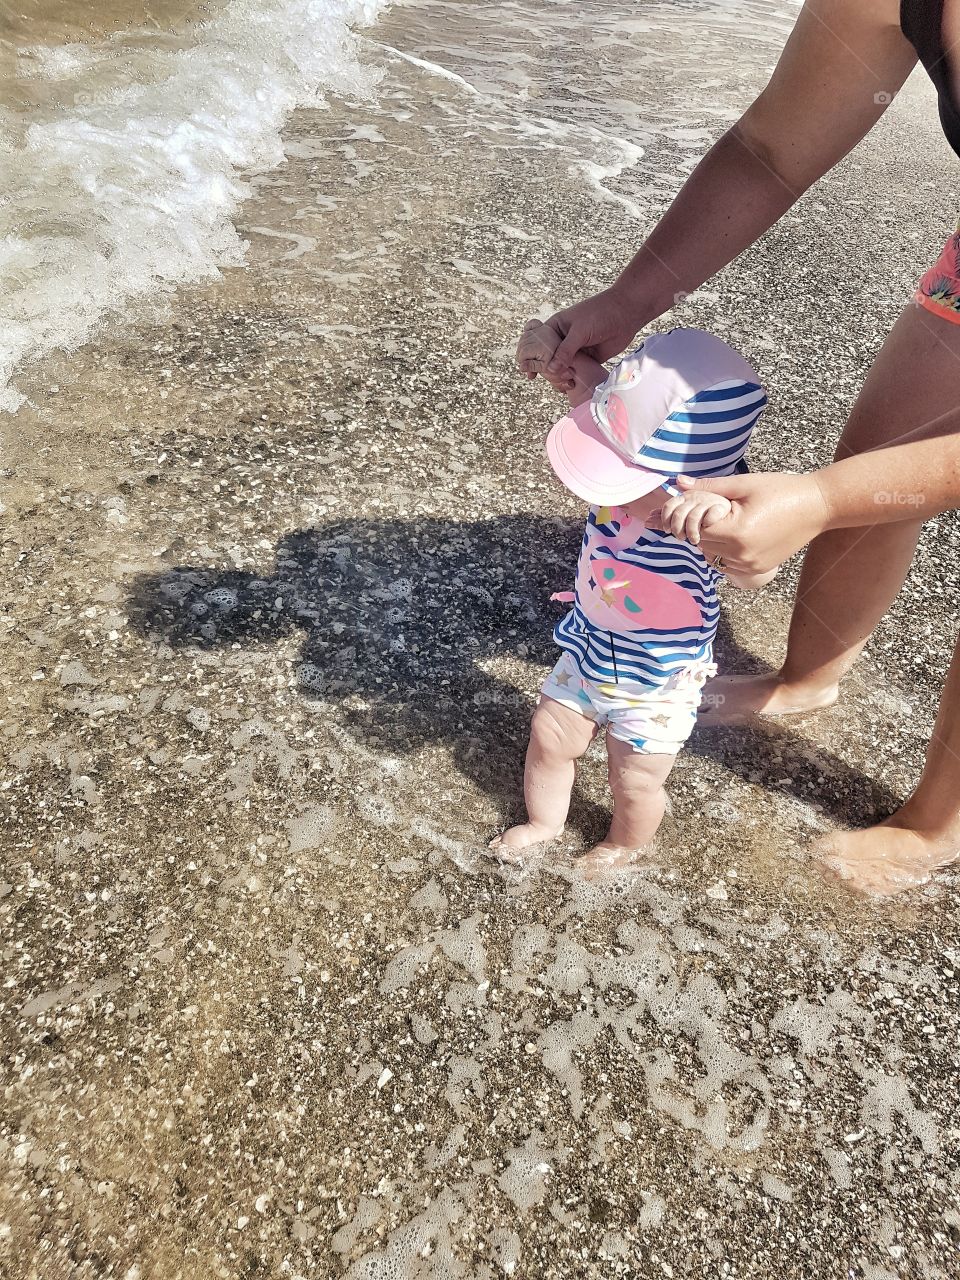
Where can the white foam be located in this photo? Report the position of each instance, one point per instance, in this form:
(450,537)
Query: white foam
(405,965)
(132,187)
(433,67)
(309,828)
(464,945)
(429,899)
(525,1180)
(426,1236)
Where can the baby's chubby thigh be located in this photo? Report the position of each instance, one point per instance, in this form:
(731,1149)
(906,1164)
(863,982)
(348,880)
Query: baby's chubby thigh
(566,687)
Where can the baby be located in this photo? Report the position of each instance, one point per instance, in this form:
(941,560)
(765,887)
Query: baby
(638,642)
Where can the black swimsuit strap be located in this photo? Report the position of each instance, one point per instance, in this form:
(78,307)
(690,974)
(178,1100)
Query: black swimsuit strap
(922,23)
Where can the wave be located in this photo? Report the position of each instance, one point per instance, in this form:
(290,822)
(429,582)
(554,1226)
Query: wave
(129,189)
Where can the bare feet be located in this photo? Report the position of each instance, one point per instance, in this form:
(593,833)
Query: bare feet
(730,699)
(886,859)
(606,857)
(509,845)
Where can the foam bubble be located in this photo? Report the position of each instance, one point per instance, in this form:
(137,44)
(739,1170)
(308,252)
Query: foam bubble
(464,946)
(425,1236)
(430,898)
(307,830)
(376,809)
(525,1179)
(221,598)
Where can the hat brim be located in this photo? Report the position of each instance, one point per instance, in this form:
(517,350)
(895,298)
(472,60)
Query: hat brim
(590,467)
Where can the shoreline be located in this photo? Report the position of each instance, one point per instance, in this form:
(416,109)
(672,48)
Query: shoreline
(262,719)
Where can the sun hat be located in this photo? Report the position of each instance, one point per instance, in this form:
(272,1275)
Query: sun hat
(683,403)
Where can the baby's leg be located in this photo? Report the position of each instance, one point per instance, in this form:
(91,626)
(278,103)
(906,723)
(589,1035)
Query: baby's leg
(636,780)
(558,737)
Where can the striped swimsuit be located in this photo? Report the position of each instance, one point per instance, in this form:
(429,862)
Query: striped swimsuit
(645,643)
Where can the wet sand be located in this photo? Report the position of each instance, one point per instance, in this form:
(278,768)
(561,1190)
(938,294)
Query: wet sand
(275,573)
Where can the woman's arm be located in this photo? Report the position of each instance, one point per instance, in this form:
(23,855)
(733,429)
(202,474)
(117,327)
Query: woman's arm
(914,479)
(898,460)
(774,515)
(842,65)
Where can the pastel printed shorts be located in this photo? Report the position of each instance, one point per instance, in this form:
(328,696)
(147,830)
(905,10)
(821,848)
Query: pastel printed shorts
(657,722)
(939,290)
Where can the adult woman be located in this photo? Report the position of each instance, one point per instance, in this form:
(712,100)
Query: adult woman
(841,67)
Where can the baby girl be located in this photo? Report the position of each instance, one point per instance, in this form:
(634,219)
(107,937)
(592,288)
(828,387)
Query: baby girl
(638,642)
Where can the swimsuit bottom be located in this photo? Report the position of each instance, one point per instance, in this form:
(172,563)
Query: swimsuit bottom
(939,290)
(655,721)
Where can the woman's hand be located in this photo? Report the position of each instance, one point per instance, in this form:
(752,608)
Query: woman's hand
(771,517)
(601,326)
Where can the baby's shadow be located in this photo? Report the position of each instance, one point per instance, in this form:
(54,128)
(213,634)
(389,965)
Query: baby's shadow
(405,625)
(409,627)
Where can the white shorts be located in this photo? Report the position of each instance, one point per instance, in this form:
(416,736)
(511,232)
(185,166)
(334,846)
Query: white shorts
(655,721)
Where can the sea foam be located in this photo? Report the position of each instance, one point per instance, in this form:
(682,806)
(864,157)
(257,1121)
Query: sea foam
(128,188)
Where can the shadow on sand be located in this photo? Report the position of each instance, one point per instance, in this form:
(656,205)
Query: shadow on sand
(403,625)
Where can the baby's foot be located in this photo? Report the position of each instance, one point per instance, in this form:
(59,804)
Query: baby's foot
(886,859)
(604,857)
(731,699)
(523,836)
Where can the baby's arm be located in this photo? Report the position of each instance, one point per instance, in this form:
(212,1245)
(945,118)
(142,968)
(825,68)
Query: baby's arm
(536,348)
(750,581)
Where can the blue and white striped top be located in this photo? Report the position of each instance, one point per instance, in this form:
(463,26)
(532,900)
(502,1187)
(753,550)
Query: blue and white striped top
(647,647)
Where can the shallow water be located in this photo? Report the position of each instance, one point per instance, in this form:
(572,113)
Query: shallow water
(122,138)
(275,576)
(124,132)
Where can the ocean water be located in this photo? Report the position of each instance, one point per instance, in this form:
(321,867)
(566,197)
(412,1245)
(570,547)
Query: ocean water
(278,544)
(129,134)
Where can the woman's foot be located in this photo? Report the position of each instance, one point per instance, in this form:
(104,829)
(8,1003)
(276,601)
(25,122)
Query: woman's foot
(509,845)
(886,859)
(728,699)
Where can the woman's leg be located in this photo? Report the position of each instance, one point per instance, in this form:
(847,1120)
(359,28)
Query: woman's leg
(925,833)
(851,576)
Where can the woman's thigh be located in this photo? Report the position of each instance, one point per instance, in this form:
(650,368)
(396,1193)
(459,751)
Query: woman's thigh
(914,383)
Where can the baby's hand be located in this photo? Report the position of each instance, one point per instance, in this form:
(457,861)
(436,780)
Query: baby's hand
(688,514)
(536,348)
(534,351)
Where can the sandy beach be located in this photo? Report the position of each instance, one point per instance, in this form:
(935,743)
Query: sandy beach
(274,604)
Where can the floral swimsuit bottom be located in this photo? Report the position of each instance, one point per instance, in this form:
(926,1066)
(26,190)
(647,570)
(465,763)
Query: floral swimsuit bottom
(939,290)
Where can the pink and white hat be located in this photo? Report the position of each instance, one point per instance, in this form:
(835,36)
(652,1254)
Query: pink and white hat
(682,403)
